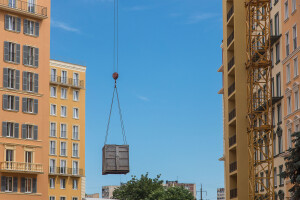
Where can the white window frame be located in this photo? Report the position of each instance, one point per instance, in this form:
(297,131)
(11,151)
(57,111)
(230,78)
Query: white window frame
(62,184)
(73,132)
(295,44)
(75,95)
(64,76)
(61,149)
(76,111)
(289,105)
(63,111)
(50,151)
(287,44)
(73,150)
(52,169)
(53,75)
(296,70)
(294,6)
(52,183)
(75,171)
(63,130)
(53,109)
(26,185)
(9,185)
(296,95)
(288,73)
(63,93)
(289,138)
(55,130)
(52,198)
(75,186)
(286,10)
(53,91)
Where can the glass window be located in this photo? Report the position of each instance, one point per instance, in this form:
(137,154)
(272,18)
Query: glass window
(9,184)
(294,6)
(52,198)
(62,185)
(295,37)
(52,182)
(11,78)
(277,47)
(53,109)
(288,73)
(64,77)
(277,24)
(287,44)
(278,85)
(63,111)
(75,184)
(75,95)
(75,113)
(289,106)
(279,117)
(63,148)
(289,138)
(296,67)
(52,91)
(63,130)
(28,185)
(64,93)
(280,173)
(63,166)
(275,176)
(53,75)
(29,132)
(75,168)
(52,166)
(75,132)
(286,9)
(52,147)
(296,100)
(53,129)
(75,150)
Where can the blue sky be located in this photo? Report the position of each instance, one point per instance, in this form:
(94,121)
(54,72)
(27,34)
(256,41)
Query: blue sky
(169,56)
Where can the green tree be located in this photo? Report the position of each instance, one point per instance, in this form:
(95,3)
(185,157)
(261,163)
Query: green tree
(146,188)
(293,166)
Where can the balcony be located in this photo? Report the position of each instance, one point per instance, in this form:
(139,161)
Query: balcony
(230,38)
(231,89)
(19,167)
(67,82)
(232,141)
(230,13)
(274,39)
(232,115)
(64,171)
(233,193)
(24,8)
(230,63)
(232,167)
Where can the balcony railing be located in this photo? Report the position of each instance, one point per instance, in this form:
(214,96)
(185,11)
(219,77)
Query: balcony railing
(75,83)
(21,167)
(230,13)
(232,167)
(231,89)
(64,171)
(230,38)
(232,115)
(232,140)
(24,7)
(230,63)
(233,193)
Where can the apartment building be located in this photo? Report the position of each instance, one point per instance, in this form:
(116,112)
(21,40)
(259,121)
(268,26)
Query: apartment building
(107,191)
(66,135)
(220,194)
(290,18)
(234,100)
(24,78)
(189,186)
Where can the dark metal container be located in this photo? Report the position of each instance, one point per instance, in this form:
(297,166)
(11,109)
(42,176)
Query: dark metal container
(115,159)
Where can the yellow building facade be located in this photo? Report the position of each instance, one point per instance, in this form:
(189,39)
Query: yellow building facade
(67,131)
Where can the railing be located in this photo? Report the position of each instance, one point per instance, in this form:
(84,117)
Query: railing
(24,7)
(232,140)
(64,171)
(232,115)
(233,167)
(230,63)
(233,193)
(230,13)
(21,167)
(230,38)
(76,83)
(231,89)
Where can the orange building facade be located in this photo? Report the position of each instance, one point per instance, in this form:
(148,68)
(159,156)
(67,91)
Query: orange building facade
(291,56)
(24,86)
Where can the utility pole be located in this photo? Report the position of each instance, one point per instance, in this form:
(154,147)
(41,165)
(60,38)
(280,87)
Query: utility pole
(201,192)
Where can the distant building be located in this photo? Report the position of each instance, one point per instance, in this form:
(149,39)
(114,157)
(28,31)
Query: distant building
(221,194)
(96,195)
(189,186)
(107,191)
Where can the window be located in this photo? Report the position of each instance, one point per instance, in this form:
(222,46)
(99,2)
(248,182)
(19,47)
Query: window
(273,87)
(52,166)
(30,56)
(11,78)
(64,77)
(75,113)
(9,158)
(287,44)
(75,95)
(281,179)
(63,130)
(289,105)
(294,6)
(52,129)
(277,48)
(295,37)
(75,134)
(12,23)
(62,198)
(296,67)
(28,131)
(278,86)
(10,102)
(52,198)
(274,145)
(30,82)
(63,111)
(9,184)
(296,100)
(75,198)
(288,73)
(75,150)
(280,144)
(52,147)
(273,117)
(275,176)
(262,180)
(31,27)
(75,168)
(63,93)
(12,52)
(12,3)
(289,138)
(75,184)
(53,75)
(271,27)
(286,10)
(31,6)
(63,166)
(28,185)
(10,129)
(53,109)
(63,149)
(52,91)
(267,180)
(279,117)
(75,79)
(277,24)
(272,58)
(30,105)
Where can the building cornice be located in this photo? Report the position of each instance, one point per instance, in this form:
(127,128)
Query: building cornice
(65,65)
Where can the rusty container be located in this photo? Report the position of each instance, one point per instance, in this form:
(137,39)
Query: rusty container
(115,159)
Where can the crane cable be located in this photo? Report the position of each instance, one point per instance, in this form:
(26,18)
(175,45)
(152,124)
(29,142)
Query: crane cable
(116,75)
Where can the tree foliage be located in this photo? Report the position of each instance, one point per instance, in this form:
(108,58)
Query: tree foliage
(293,166)
(146,188)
